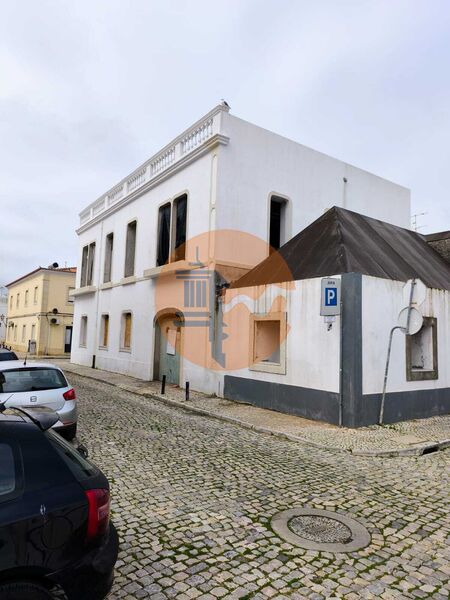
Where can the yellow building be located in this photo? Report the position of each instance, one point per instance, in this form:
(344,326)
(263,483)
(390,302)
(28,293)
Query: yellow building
(40,311)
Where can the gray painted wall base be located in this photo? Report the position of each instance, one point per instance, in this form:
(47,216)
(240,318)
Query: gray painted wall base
(319,405)
(404,406)
(291,399)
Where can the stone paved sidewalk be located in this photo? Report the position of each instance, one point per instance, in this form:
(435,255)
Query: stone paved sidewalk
(193,500)
(409,437)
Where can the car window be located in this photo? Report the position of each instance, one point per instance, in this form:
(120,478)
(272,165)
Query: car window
(7,470)
(8,356)
(80,467)
(31,379)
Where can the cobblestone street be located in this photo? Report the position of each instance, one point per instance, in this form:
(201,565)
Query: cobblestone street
(193,499)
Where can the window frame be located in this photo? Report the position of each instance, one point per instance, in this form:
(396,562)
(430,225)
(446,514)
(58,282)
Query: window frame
(172,203)
(108,258)
(87,264)
(286,203)
(266,366)
(122,347)
(104,317)
(130,256)
(428,374)
(82,343)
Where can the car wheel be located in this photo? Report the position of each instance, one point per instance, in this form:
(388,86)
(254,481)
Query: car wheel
(24,591)
(69,432)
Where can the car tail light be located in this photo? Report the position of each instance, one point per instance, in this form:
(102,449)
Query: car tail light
(70,395)
(98,513)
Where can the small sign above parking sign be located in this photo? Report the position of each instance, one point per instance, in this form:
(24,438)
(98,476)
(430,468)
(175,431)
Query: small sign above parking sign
(330,303)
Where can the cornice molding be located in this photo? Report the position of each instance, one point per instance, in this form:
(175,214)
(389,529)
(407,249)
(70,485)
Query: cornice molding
(207,146)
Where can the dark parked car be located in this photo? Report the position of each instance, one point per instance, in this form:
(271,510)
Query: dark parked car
(54,513)
(6,354)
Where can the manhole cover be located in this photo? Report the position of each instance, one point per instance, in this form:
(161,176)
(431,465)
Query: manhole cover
(324,530)
(320,529)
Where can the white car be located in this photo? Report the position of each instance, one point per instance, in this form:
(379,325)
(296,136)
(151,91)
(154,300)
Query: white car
(33,385)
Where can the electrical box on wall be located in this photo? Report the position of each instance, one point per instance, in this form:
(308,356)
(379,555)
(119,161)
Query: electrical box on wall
(330,297)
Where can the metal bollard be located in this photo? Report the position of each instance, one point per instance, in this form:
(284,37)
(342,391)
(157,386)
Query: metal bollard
(187,391)
(163,385)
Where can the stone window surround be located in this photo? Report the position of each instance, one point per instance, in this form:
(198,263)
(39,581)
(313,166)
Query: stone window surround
(268,367)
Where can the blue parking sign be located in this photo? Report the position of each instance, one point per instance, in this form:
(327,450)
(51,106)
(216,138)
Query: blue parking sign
(330,302)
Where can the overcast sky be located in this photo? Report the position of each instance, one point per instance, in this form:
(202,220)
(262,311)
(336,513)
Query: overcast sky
(90,89)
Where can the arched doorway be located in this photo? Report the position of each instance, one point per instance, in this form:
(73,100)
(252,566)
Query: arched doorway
(168,340)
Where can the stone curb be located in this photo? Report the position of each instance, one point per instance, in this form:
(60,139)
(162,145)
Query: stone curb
(427,448)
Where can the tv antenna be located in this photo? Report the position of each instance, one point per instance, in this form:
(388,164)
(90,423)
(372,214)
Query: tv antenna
(414,221)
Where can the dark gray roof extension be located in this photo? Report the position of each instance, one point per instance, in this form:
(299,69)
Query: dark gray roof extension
(342,241)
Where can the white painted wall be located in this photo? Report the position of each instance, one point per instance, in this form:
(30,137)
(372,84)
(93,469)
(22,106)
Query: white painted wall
(138,297)
(257,163)
(312,352)
(382,300)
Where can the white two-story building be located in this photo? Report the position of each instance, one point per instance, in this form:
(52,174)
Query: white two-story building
(159,225)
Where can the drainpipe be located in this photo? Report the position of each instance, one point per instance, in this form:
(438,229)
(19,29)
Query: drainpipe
(48,335)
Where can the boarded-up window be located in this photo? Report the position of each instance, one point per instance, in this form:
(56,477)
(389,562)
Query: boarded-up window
(109,242)
(126,329)
(24,332)
(35,297)
(83,330)
(180,210)
(87,265)
(267,341)
(33,332)
(104,332)
(130,249)
(163,235)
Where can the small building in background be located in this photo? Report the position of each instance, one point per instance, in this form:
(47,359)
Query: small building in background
(441,243)
(40,311)
(3,313)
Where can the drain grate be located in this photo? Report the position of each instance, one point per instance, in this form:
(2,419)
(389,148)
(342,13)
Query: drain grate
(323,530)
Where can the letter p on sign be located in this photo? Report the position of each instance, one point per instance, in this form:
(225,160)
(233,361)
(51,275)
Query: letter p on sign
(330,296)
